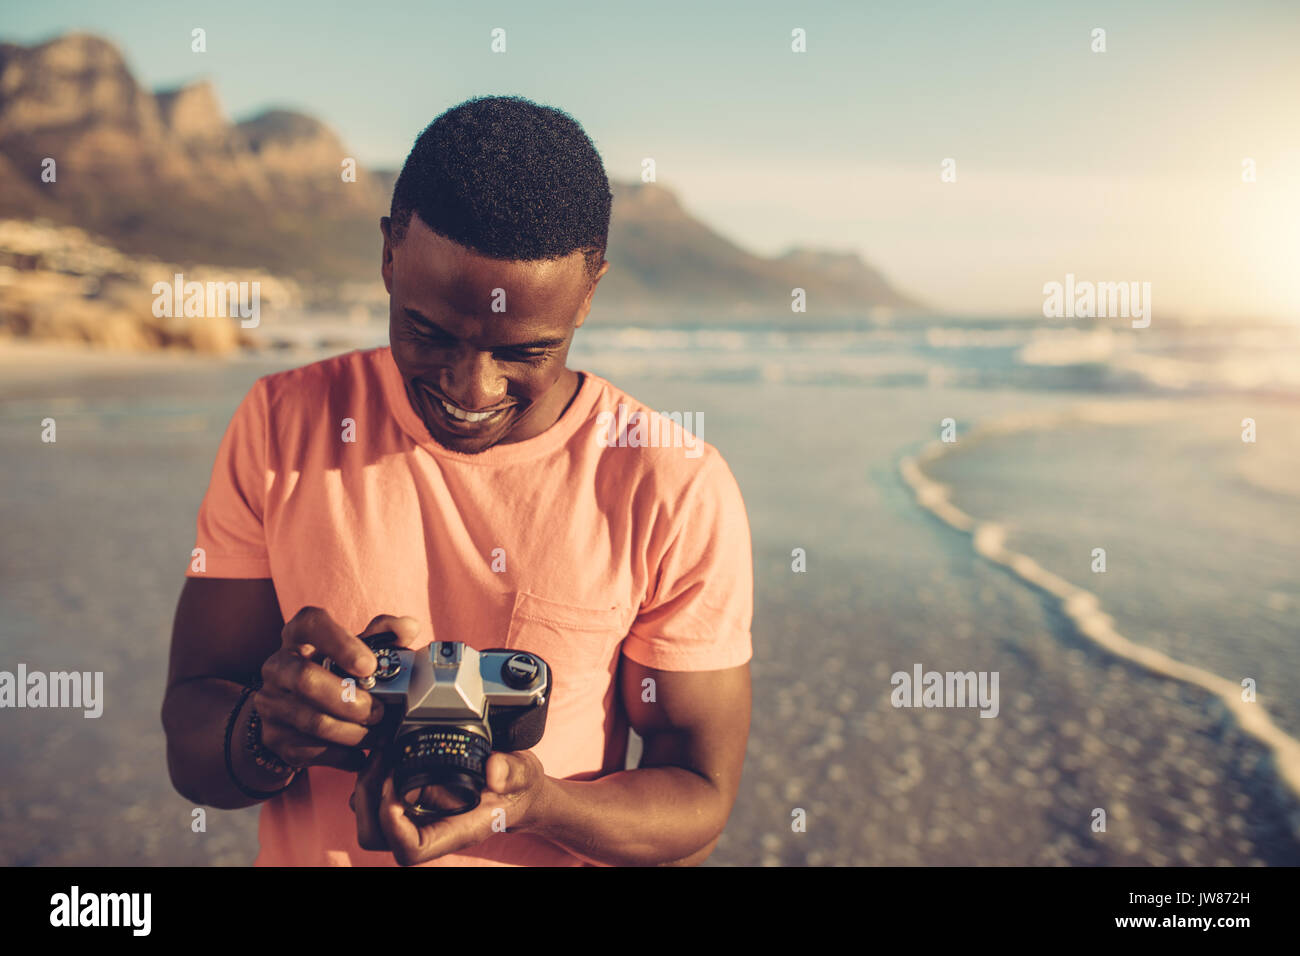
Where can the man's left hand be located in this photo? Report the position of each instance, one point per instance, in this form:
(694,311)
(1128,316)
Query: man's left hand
(510,801)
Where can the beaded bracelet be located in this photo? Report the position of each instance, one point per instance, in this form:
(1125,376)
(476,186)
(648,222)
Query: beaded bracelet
(260,753)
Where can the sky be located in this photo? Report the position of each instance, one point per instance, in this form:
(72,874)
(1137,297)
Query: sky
(1123,165)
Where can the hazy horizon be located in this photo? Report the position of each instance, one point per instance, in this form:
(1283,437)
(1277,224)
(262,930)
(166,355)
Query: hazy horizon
(1117,166)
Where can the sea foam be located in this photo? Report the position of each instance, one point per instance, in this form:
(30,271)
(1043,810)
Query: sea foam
(1080,606)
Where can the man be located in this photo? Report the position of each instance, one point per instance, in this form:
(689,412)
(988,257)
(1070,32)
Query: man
(461,485)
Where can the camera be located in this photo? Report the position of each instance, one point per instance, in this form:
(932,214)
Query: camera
(447,708)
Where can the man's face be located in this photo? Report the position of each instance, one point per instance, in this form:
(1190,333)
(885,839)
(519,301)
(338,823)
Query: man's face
(476,377)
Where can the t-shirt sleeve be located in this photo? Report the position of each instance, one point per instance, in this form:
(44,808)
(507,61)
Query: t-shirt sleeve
(700,609)
(230,529)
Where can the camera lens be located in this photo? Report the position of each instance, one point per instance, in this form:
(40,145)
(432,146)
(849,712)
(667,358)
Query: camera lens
(440,770)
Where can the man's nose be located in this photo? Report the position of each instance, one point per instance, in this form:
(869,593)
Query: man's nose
(473,381)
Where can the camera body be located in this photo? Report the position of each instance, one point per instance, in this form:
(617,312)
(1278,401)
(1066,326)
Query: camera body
(448,707)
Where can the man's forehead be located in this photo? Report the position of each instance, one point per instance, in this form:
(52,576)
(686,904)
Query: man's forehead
(467,281)
(494,330)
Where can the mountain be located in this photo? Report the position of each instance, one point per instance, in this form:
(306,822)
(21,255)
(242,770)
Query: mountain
(661,256)
(169,174)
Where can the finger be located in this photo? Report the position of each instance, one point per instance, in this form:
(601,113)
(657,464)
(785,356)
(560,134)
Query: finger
(289,675)
(409,843)
(316,634)
(376,738)
(405,630)
(282,711)
(365,803)
(299,750)
(414,843)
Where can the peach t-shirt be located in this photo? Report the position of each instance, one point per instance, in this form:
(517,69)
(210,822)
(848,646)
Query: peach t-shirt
(565,544)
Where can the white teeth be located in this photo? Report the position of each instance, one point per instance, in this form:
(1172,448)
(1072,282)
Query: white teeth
(465,416)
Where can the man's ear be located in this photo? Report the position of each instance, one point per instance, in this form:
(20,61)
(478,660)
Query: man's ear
(586,303)
(386,264)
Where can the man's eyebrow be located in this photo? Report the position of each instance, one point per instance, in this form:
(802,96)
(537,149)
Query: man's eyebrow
(424,320)
(536,344)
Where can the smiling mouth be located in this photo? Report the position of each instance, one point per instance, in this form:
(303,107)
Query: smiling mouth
(461,420)
(461,415)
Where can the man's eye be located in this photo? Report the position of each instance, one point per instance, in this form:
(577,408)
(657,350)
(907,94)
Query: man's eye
(432,341)
(531,358)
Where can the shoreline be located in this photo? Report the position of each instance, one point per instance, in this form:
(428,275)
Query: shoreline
(1079,606)
(27,362)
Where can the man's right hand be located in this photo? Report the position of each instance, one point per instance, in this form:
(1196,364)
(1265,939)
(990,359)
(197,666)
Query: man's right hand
(307,719)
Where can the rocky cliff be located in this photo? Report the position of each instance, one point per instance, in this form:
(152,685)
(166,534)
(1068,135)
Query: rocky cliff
(168,174)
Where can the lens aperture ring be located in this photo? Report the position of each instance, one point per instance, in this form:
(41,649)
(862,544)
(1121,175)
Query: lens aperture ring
(443,747)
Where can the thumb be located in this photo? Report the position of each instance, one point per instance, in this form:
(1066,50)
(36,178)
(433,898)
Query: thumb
(406,629)
(507,772)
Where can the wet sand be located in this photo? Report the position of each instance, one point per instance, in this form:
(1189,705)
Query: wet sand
(98,529)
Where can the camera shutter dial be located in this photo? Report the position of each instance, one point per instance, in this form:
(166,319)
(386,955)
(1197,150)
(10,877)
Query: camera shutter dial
(521,671)
(390,664)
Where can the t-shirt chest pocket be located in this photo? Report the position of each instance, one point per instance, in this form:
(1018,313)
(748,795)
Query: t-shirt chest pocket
(580,644)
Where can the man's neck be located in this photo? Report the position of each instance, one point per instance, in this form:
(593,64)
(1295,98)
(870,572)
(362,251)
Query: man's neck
(569,385)
(578,378)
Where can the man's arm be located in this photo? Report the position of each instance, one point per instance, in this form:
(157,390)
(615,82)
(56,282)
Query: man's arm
(671,810)
(224,630)
(228,632)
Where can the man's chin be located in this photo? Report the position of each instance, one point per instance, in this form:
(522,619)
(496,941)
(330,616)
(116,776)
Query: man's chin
(465,445)
(454,436)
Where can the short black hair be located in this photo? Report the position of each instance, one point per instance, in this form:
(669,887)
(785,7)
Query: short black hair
(509,179)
